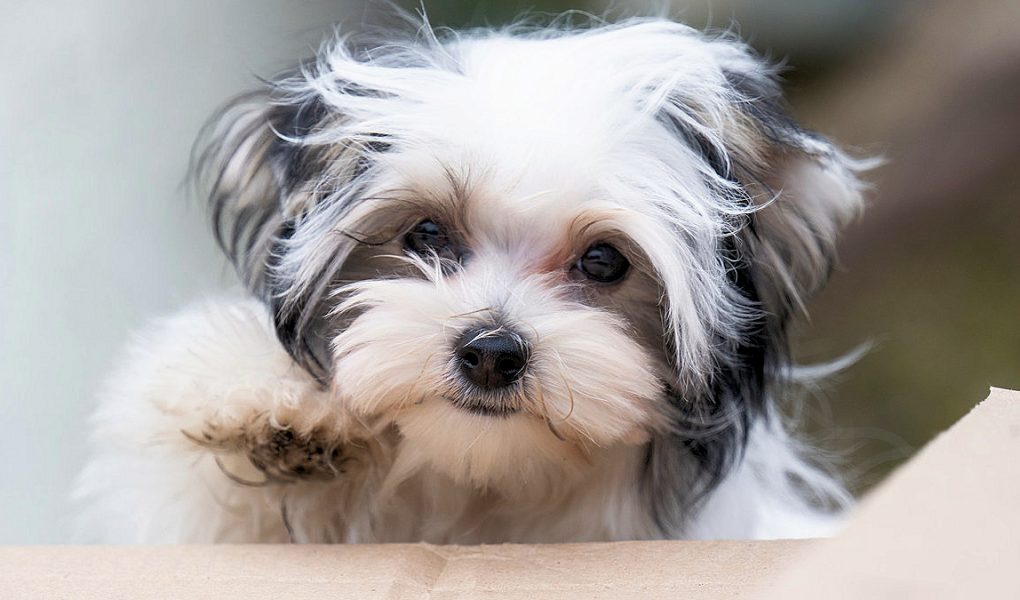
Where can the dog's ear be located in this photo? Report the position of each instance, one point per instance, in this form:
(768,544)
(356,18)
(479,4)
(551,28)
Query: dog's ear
(803,189)
(799,190)
(779,194)
(787,193)
(273,178)
(247,160)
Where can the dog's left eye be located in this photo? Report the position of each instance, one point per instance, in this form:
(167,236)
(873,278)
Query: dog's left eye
(603,263)
(427,237)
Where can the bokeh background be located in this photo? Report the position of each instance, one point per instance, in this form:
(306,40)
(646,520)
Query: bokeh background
(100,102)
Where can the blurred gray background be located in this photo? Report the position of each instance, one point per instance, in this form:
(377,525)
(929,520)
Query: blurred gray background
(100,102)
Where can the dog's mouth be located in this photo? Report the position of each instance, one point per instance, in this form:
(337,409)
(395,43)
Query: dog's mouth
(484,405)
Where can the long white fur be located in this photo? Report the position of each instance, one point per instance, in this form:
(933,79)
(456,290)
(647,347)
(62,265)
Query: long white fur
(548,129)
(220,362)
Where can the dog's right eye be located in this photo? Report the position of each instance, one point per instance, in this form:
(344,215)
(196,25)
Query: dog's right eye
(427,237)
(603,263)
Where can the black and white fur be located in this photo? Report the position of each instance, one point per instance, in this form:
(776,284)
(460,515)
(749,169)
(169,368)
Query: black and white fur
(328,405)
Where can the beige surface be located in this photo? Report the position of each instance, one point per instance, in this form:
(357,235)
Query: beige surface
(639,570)
(946,525)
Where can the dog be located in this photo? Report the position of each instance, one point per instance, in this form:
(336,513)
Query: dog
(528,284)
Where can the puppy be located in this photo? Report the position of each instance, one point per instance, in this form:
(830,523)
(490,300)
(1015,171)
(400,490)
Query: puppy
(522,285)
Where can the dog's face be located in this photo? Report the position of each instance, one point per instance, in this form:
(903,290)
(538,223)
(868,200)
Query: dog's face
(523,249)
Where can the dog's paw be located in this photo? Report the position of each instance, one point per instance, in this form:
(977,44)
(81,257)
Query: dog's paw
(282,452)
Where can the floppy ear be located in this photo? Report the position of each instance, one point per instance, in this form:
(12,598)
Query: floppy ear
(813,193)
(268,175)
(805,189)
(788,193)
(799,190)
(242,164)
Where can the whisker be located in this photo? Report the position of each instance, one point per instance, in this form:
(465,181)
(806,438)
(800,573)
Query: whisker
(285,517)
(485,334)
(545,410)
(570,391)
(201,442)
(400,257)
(484,430)
(584,432)
(468,314)
(417,380)
(555,431)
(534,330)
(240,480)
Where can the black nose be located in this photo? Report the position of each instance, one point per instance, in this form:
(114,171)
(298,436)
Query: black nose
(492,358)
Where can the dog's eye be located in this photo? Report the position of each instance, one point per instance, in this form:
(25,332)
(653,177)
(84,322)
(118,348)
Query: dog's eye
(603,263)
(425,237)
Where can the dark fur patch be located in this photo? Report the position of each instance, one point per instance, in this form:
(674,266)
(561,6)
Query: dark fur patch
(712,155)
(234,227)
(294,161)
(711,427)
(762,99)
(247,210)
(307,347)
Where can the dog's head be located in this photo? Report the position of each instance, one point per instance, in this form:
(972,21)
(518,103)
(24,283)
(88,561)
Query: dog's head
(522,247)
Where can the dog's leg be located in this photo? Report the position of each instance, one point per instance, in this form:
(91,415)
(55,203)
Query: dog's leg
(209,432)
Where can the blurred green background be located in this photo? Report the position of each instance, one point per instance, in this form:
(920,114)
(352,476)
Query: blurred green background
(100,102)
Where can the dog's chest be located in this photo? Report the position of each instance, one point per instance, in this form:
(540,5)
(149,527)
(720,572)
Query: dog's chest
(606,505)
